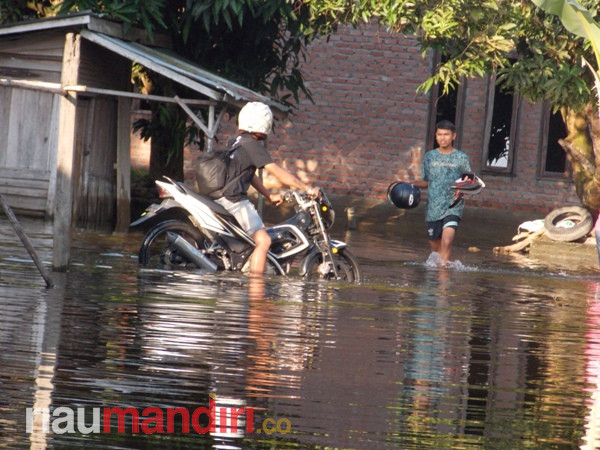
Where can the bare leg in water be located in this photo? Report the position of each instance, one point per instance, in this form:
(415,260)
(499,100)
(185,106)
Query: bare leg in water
(258,259)
(443,246)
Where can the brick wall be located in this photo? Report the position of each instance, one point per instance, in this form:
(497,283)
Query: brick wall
(367,126)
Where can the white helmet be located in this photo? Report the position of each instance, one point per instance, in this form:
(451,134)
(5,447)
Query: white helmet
(255,117)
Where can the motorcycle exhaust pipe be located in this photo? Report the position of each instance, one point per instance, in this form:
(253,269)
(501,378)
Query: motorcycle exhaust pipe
(190,252)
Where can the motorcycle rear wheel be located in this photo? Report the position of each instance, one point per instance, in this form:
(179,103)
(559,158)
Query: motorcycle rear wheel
(156,251)
(346,264)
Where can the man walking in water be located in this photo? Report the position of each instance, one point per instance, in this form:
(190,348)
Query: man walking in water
(441,167)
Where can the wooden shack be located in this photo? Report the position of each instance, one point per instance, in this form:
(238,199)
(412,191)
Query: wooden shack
(65,99)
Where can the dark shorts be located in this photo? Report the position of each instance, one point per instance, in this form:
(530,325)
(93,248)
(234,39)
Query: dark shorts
(435,228)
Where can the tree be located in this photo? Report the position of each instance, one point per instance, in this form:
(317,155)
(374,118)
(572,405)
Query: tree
(580,22)
(531,52)
(259,45)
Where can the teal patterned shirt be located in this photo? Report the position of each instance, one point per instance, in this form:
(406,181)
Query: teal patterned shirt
(440,171)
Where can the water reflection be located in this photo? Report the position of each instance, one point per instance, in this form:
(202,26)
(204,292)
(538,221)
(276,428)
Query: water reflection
(494,354)
(591,439)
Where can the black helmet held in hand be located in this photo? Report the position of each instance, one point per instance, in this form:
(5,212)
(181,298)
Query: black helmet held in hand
(404,195)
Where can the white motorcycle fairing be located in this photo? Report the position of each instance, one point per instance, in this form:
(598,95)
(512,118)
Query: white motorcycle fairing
(197,206)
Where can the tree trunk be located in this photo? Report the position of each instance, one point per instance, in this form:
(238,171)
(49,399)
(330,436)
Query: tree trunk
(168,135)
(166,148)
(582,146)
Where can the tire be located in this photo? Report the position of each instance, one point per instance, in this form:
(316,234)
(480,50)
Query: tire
(156,252)
(346,264)
(582,219)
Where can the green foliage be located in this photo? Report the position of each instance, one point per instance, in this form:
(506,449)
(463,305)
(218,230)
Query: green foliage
(260,45)
(145,13)
(579,21)
(18,10)
(168,126)
(479,37)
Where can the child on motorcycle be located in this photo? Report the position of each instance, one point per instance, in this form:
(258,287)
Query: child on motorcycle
(255,122)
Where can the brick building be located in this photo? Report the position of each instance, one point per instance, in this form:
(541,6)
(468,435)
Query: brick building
(368,126)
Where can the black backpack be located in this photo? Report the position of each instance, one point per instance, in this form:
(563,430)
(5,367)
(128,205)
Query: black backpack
(212,173)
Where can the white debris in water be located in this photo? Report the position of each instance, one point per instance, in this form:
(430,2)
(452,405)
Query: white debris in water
(531,226)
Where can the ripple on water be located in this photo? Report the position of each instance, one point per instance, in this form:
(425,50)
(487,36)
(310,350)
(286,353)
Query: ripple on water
(487,353)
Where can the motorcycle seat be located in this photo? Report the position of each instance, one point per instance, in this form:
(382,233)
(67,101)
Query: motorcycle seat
(209,202)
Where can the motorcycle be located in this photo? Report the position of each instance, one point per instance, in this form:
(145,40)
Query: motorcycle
(193,231)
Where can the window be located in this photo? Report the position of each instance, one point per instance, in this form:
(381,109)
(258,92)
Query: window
(445,107)
(553,159)
(501,125)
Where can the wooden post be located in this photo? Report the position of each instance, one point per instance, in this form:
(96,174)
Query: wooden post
(123,165)
(211,128)
(26,242)
(65,155)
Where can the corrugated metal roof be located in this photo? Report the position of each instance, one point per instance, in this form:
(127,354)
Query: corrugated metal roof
(162,61)
(168,64)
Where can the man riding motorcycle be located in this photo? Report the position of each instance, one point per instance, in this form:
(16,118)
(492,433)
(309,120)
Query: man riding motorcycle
(255,122)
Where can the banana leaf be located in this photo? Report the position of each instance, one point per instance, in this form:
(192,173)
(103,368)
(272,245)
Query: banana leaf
(576,19)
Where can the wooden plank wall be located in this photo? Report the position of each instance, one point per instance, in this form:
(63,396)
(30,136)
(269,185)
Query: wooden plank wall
(25,189)
(29,122)
(95,182)
(32,56)
(30,130)
(102,68)
(96,157)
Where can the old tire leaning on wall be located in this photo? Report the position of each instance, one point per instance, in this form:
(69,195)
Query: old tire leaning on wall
(568,223)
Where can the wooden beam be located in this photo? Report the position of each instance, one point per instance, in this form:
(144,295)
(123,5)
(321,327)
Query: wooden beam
(65,156)
(53,88)
(211,127)
(214,125)
(146,97)
(26,242)
(195,118)
(57,88)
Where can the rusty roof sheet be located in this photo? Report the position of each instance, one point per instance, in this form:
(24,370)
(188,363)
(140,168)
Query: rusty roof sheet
(174,67)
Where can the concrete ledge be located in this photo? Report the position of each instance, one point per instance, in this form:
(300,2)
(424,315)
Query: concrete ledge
(545,249)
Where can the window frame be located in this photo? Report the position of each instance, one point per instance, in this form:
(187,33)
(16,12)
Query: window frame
(513,136)
(542,173)
(461,90)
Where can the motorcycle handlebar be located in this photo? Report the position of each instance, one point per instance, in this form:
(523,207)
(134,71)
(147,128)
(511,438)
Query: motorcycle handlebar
(289,195)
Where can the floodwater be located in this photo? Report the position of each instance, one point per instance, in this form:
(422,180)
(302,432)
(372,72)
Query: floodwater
(497,351)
